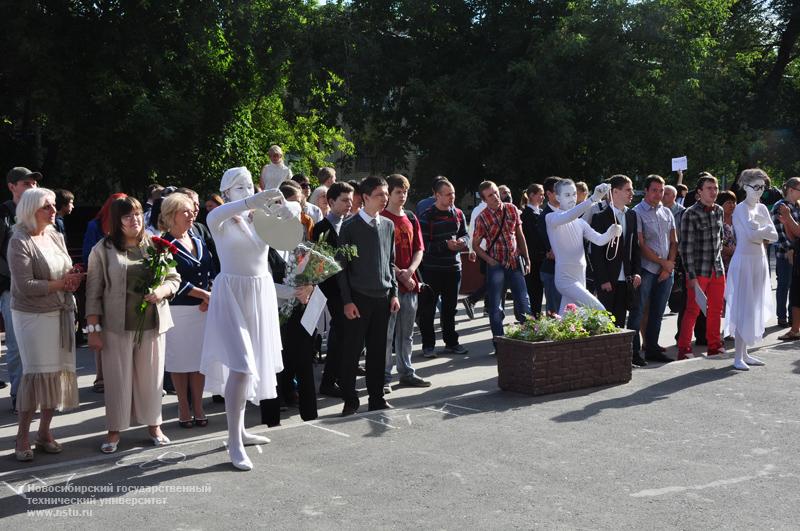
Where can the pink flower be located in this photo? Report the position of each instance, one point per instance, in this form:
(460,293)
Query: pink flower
(570,307)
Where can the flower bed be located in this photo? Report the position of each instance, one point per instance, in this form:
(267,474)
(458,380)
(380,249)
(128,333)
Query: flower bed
(554,354)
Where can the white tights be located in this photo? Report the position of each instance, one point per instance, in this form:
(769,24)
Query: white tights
(742,360)
(235,402)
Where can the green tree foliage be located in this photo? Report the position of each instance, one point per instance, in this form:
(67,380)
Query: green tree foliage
(110,95)
(518,90)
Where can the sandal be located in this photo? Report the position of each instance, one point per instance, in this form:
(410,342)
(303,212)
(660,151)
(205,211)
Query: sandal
(98,387)
(201,423)
(790,336)
(49,447)
(109,447)
(185,424)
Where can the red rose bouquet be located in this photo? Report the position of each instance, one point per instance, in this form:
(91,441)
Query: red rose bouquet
(159,258)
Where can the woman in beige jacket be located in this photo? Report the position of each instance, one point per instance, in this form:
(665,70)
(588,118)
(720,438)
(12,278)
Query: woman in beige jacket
(117,278)
(43,311)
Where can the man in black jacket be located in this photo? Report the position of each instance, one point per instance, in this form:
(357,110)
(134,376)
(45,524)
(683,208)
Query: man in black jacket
(547,270)
(340,200)
(536,246)
(19,179)
(617,265)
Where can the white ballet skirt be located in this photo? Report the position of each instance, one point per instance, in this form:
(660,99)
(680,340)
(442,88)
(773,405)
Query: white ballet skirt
(748,294)
(242,329)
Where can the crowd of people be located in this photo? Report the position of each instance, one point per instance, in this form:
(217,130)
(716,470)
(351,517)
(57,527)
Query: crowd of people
(209,322)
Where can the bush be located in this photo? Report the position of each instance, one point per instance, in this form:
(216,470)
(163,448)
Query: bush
(577,322)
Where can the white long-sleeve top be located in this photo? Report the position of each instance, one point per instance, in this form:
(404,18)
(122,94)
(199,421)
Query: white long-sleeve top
(566,231)
(236,238)
(749,239)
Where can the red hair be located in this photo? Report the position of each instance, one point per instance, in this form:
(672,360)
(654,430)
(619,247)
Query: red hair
(105,212)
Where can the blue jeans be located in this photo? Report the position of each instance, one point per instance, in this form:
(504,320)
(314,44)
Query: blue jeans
(552,296)
(497,278)
(401,330)
(783,270)
(657,294)
(13,362)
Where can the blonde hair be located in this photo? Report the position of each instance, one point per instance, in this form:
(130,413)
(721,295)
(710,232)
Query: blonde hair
(32,200)
(171,205)
(275,149)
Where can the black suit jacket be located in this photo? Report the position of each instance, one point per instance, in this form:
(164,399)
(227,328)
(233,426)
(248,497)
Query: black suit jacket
(331,286)
(548,265)
(629,256)
(530,228)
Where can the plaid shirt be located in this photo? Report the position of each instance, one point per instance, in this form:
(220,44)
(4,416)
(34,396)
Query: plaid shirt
(783,244)
(487,227)
(700,242)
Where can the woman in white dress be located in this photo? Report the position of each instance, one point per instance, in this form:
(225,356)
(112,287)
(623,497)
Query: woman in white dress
(242,343)
(747,289)
(43,310)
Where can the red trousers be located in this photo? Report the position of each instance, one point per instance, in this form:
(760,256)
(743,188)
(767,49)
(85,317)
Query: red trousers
(714,288)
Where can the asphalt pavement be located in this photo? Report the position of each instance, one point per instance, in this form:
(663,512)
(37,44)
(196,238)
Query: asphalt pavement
(686,445)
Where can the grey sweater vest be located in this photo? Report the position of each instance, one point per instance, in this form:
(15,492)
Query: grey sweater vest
(372,272)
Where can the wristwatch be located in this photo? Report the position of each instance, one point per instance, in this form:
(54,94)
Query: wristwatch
(90,328)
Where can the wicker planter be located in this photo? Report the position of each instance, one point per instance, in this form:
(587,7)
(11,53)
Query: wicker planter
(558,366)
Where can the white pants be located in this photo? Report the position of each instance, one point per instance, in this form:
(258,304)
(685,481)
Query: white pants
(571,284)
(134,378)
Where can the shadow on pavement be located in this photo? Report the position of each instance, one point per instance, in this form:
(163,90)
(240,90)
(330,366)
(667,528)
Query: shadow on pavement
(655,392)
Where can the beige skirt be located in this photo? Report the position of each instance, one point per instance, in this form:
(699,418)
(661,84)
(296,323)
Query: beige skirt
(48,369)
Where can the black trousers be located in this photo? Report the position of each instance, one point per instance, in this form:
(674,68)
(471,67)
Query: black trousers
(535,288)
(615,301)
(333,357)
(298,363)
(370,329)
(444,284)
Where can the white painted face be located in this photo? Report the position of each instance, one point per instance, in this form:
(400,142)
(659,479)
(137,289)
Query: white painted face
(754,191)
(567,196)
(240,190)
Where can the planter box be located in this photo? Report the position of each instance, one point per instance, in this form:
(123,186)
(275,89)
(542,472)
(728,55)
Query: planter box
(558,366)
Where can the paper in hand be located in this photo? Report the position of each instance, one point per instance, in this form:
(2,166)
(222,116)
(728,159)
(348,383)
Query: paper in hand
(700,298)
(313,310)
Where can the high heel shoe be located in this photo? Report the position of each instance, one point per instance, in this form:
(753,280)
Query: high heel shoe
(49,447)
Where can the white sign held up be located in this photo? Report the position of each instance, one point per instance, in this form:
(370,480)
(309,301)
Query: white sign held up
(680,163)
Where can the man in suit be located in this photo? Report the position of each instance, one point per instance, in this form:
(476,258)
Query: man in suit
(340,200)
(547,270)
(536,246)
(617,265)
(369,292)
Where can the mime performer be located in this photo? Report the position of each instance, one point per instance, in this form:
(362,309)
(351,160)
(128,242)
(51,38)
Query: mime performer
(242,343)
(566,231)
(748,293)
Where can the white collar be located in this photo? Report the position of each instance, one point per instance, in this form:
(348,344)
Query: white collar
(534,208)
(368,219)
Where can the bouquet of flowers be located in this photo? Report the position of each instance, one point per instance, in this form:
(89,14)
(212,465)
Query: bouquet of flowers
(159,258)
(311,264)
(577,322)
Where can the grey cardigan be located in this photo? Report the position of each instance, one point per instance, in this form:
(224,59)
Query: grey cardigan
(106,288)
(30,278)
(30,274)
